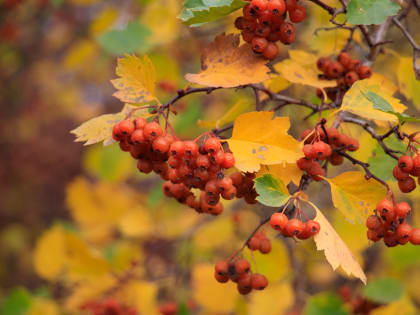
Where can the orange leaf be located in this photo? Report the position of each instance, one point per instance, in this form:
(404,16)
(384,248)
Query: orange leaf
(226,64)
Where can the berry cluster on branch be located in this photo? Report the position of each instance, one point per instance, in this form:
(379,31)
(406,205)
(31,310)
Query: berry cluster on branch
(185,165)
(108,306)
(407,168)
(264,23)
(239,271)
(294,227)
(389,223)
(324,144)
(345,70)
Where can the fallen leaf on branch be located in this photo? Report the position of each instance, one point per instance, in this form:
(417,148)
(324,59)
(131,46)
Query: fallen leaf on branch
(226,64)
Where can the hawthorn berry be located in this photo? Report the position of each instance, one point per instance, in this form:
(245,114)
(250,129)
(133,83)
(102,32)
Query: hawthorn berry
(405,163)
(242,266)
(258,281)
(415,236)
(278,221)
(152,130)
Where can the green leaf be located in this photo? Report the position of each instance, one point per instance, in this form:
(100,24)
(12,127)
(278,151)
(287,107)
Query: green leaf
(272,192)
(16,303)
(325,304)
(197,12)
(369,12)
(381,164)
(382,104)
(131,39)
(384,290)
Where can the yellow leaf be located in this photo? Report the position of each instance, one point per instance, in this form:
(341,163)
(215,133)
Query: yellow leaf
(407,81)
(356,102)
(264,302)
(136,223)
(103,21)
(303,57)
(259,139)
(226,64)
(403,306)
(209,293)
(240,106)
(42,306)
(335,250)
(137,80)
(294,72)
(355,196)
(88,290)
(163,30)
(81,53)
(276,84)
(99,129)
(50,253)
(141,295)
(288,172)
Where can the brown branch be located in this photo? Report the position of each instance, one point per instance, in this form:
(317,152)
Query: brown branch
(416,47)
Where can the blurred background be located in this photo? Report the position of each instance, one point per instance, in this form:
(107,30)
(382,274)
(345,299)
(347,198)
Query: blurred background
(80,224)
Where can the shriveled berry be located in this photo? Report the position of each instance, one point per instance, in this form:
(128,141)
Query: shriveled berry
(407,185)
(399,174)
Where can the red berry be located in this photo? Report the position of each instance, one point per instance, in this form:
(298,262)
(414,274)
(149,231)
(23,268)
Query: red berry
(225,183)
(399,173)
(287,33)
(259,44)
(407,185)
(406,163)
(403,231)
(416,163)
(259,5)
(335,70)
(160,145)
(140,122)
(228,160)
(390,239)
(247,36)
(336,159)
(298,14)
(221,268)
(144,166)
(353,65)
(212,145)
(152,130)
(265,246)
(402,209)
(415,236)
(385,205)
(308,151)
(373,222)
(304,164)
(262,31)
(271,51)
(254,243)
(373,235)
(258,281)
(203,162)
(278,221)
(221,278)
(312,227)
(294,227)
(351,77)
(126,127)
(277,7)
(242,266)
(323,64)
(177,149)
(244,281)
(290,4)
(265,18)
(191,148)
(239,23)
(344,58)
(321,150)
(364,72)
(116,132)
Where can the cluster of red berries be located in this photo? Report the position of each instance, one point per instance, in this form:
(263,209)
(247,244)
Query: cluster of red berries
(240,272)
(263,24)
(108,306)
(294,227)
(358,303)
(345,71)
(185,165)
(407,165)
(389,223)
(319,146)
(260,242)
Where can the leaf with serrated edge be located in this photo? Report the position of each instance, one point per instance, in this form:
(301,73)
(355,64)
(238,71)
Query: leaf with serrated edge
(271,192)
(355,196)
(258,138)
(335,250)
(99,129)
(137,81)
(355,102)
(226,64)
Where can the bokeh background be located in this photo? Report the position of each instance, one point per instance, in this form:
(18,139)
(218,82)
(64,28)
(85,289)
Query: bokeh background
(80,224)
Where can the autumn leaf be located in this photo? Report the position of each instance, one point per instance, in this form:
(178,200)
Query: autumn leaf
(238,108)
(226,64)
(271,192)
(355,196)
(369,12)
(137,80)
(258,139)
(335,250)
(99,129)
(286,172)
(294,71)
(357,101)
(208,292)
(407,82)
